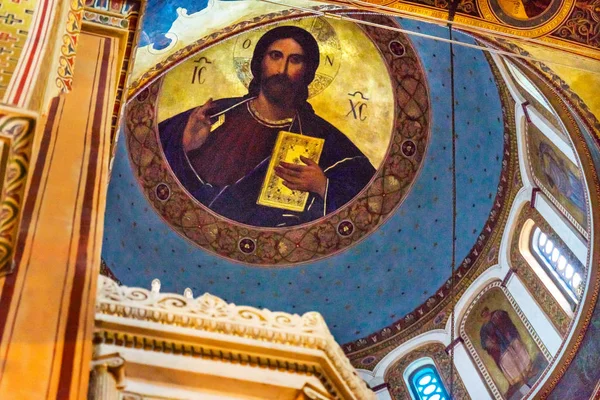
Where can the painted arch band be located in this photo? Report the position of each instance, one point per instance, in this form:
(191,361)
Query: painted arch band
(206,191)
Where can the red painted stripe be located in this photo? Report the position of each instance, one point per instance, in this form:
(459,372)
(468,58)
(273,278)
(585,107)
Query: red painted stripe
(36,42)
(35,60)
(27,216)
(71,241)
(98,242)
(72,328)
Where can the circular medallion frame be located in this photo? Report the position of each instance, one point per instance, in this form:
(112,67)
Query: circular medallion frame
(546,21)
(311,241)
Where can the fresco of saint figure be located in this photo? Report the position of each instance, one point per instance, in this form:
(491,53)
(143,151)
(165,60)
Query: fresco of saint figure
(220,151)
(560,177)
(501,340)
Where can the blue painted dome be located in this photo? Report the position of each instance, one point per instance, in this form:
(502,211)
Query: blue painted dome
(385,276)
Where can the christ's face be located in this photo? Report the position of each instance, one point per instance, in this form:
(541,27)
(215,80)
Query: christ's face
(283,68)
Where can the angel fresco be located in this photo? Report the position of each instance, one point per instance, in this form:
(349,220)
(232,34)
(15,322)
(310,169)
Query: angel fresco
(221,150)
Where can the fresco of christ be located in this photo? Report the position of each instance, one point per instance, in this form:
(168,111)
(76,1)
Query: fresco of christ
(220,151)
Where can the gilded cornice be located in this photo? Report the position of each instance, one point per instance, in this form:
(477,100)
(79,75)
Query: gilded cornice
(215,329)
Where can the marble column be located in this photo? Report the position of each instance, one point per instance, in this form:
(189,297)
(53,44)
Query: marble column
(105,378)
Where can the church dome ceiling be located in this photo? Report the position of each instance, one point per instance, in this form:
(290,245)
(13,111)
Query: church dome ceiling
(369,281)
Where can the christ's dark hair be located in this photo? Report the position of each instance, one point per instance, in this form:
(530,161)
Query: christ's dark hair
(311,57)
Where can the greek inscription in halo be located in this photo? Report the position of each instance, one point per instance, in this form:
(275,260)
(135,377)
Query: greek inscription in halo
(250,168)
(329,49)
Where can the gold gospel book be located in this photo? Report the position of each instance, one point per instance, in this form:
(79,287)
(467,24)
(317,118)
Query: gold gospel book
(288,148)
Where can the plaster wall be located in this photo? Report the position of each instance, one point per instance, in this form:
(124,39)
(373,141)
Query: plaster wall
(383,394)
(540,322)
(468,371)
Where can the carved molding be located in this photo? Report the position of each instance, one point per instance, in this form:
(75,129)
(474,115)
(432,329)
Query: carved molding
(122,16)
(212,314)
(206,312)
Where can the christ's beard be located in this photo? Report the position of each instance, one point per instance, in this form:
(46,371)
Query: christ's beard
(279,89)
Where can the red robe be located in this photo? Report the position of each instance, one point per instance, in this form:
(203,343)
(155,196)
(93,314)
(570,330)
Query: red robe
(235,149)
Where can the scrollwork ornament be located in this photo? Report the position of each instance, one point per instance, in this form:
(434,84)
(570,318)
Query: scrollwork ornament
(251,315)
(583,25)
(209,313)
(64,80)
(213,306)
(16,133)
(468,7)
(173,302)
(137,295)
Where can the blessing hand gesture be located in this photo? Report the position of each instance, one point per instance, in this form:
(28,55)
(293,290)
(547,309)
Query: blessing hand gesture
(198,127)
(307,178)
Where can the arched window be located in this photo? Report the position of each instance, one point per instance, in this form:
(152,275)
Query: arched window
(565,271)
(425,384)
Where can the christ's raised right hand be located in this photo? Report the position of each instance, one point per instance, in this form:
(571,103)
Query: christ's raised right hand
(198,127)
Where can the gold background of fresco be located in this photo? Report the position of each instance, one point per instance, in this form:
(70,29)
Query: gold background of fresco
(371,136)
(330,51)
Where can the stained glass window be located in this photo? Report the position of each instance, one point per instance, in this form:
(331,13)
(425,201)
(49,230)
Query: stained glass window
(567,273)
(425,384)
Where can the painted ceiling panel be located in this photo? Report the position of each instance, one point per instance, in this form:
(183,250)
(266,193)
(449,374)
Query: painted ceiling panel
(383,277)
